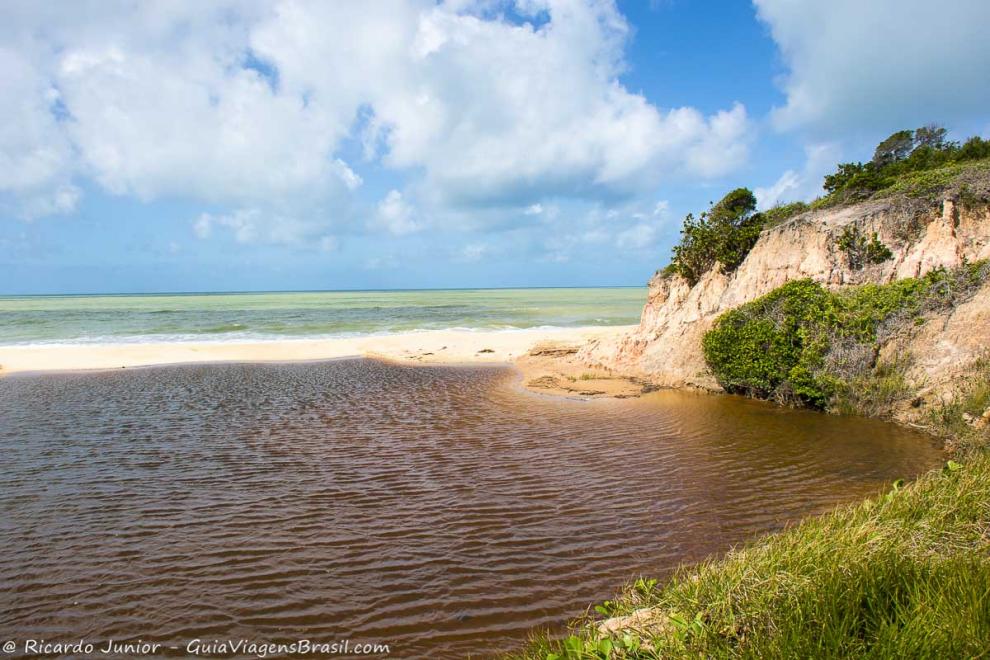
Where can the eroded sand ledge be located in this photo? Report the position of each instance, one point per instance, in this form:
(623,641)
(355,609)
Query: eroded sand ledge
(541,354)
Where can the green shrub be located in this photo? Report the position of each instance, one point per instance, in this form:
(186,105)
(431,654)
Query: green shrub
(775,340)
(806,345)
(860,251)
(896,164)
(782,212)
(722,235)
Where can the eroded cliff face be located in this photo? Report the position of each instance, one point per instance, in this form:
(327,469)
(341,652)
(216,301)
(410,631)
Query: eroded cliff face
(666,347)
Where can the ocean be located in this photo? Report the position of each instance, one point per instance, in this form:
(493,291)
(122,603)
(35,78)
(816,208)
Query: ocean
(26,320)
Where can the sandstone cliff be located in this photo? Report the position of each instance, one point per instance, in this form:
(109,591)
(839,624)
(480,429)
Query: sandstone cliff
(666,346)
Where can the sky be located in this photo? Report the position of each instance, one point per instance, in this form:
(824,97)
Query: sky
(285,145)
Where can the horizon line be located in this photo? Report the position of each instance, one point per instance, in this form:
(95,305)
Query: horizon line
(272,291)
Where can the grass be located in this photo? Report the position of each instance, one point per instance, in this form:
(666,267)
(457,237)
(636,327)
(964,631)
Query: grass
(954,417)
(929,185)
(873,392)
(903,575)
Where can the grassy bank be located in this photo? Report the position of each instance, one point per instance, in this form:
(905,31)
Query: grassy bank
(905,574)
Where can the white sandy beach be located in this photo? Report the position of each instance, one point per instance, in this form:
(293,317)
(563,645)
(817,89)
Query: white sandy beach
(435,346)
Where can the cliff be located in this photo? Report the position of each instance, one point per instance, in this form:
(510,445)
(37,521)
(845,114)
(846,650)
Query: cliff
(666,346)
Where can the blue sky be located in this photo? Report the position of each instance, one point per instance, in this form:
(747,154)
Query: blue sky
(259,145)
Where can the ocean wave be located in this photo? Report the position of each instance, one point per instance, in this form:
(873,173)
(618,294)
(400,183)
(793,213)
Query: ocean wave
(237,337)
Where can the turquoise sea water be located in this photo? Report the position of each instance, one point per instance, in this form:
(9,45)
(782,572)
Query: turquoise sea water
(269,316)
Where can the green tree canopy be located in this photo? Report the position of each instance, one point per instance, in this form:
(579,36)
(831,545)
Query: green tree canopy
(722,235)
(931,136)
(896,147)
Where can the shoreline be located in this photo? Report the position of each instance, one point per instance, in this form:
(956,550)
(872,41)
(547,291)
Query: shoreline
(424,347)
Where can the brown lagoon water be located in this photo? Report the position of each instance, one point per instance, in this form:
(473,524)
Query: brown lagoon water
(439,510)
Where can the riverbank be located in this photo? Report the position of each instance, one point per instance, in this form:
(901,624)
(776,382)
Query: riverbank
(903,574)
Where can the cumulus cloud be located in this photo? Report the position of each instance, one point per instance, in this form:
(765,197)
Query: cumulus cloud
(35,154)
(246,105)
(880,65)
(395,215)
(257,225)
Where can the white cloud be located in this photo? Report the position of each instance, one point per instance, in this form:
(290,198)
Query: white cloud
(245,105)
(784,188)
(533,209)
(882,64)
(257,225)
(472,252)
(636,237)
(347,175)
(381,262)
(805,185)
(395,215)
(328,244)
(36,163)
(203,226)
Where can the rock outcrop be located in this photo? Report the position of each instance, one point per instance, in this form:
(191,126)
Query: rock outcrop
(666,346)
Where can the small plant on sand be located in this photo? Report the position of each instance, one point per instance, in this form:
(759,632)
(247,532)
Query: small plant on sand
(860,251)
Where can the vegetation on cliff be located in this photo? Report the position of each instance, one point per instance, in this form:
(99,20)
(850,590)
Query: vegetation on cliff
(861,251)
(803,344)
(723,235)
(920,165)
(901,155)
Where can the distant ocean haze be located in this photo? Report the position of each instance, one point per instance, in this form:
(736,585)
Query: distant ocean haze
(26,320)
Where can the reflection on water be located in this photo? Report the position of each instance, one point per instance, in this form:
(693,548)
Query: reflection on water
(440,510)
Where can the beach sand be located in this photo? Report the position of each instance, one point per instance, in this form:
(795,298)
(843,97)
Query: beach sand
(429,347)
(545,357)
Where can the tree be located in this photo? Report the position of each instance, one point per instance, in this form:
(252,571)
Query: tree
(895,148)
(931,136)
(843,175)
(722,235)
(975,148)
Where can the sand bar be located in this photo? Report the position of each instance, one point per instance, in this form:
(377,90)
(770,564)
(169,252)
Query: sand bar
(433,347)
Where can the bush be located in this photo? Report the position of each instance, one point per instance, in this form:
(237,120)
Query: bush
(723,235)
(903,154)
(771,347)
(805,345)
(860,251)
(782,212)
